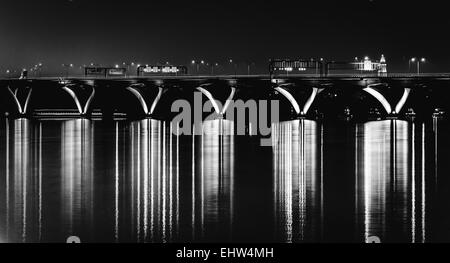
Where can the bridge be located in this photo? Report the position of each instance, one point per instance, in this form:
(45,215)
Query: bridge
(300,96)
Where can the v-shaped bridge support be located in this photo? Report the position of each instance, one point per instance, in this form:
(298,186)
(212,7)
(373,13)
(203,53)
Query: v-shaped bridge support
(137,93)
(81,109)
(218,109)
(294,103)
(387,106)
(20,108)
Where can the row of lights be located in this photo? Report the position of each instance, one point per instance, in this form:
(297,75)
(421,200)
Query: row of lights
(414,60)
(38,66)
(230,61)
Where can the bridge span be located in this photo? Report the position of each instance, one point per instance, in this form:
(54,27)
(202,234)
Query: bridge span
(300,96)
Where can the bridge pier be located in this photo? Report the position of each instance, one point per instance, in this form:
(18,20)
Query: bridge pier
(138,90)
(21,107)
(218,109)
(392,112)
(72,90)
(301,112)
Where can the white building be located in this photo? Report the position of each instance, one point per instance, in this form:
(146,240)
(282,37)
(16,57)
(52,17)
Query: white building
(367,65)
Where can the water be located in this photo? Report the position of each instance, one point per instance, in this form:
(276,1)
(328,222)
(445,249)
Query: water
(136,181)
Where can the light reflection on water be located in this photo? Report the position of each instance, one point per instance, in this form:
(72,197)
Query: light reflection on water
(298,180)
(23,183)
(77,176)
(138,182)
(386,181)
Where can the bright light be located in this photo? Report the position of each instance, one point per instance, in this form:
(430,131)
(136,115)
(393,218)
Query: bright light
(193,62)
(71,65)
(231,61)
(413,60)
(368,65)
(203,62)
(422,60)
(7,71)
(366,58)
(117,66)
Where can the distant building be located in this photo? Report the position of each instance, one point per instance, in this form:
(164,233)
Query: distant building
(327,68)
(367,66)
(299,66)
(105,72)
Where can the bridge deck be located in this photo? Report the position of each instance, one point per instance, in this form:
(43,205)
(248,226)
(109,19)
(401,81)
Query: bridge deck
(257,76)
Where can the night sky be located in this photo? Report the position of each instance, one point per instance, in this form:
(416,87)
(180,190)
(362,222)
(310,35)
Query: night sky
(108,32)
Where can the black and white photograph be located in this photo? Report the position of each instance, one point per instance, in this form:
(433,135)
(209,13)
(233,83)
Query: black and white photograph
(224,129)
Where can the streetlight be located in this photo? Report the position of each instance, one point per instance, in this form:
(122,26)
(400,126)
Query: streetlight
(195,63)
(127,65)
(233,64)
(212,67)
(37,69)
(418,61)
(202,62)
(249,64)
(67,67)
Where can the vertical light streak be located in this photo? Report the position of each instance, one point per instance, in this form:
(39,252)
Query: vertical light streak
(7,180)
(133,188)
(40,182)
(321,183)
(423,184)
(116,185)
(170,181)
(138,172)
(413,185)
(356,178)
(193,183)
(146,132)
(202,178)
(288,184)
(151,144)
(435,127)
(24,154)
(159,177)
(232,177)
(164,184)
(302,195)
(275,169)
(90,144)
(178,181)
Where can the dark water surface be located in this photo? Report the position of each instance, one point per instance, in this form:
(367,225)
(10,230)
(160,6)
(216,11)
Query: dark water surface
(137,182)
